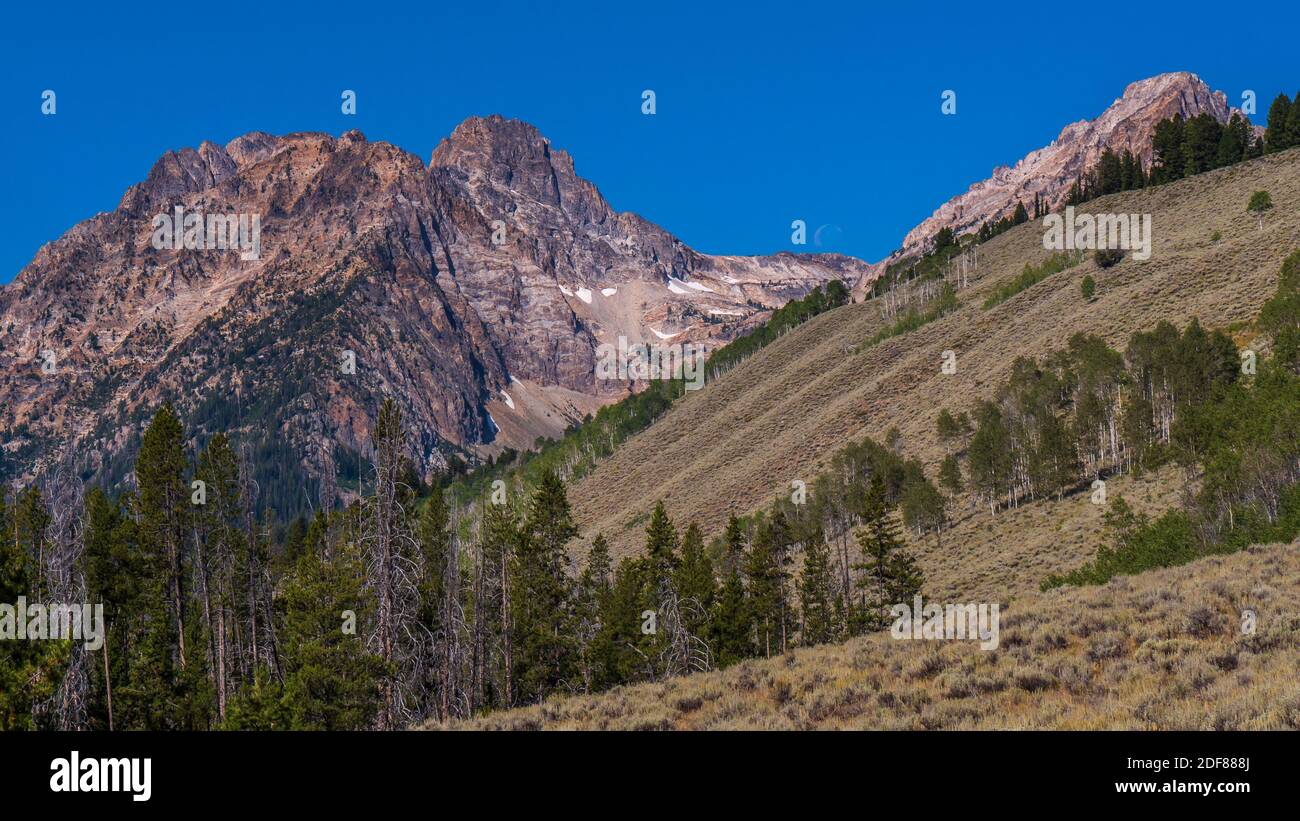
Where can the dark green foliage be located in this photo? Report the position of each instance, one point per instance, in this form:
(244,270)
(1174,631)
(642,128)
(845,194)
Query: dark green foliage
(1139,545)
(817,594)
(950,475)
(1278,135)
(1242,437)
(888,574)
(1107,257)
(1088,287)
(944,303)
(1260,202)
(733,623)
(29,670)
(545,654)
(331,681)
(695,582)
(1280,316)
(1034,274)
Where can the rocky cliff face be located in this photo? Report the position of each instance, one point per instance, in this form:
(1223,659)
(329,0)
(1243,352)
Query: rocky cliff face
(1127,124)
(474,290)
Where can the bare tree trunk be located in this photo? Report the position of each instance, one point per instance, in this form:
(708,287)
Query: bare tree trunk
(108,686)
(204,591)
(505,626)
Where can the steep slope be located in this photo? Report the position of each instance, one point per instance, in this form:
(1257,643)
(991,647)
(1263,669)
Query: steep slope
(493,269)
(1126,125)
(781,415)
(1160,651)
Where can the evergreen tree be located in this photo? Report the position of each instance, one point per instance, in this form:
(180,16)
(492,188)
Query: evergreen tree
(218,549)
(1168,161)
(766,593)
(161,690)
(591,601)
(661,549)
(29,670)
(1277,135)
(888,573)
(695,584)
(733,627)
(499,545)
(816,594)
(541,615)
(1020,215)
(1200,143)
(332,682)
(1293,122)
(438,586)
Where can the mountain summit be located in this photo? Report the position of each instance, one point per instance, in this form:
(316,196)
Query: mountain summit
(1128,124)
(474,289)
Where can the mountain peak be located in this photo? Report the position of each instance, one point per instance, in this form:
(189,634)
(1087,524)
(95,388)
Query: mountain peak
(487,143)
(1127,124)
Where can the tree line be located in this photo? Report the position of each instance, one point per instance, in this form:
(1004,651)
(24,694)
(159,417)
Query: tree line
(1182,148)
(1086,412)
(403,606)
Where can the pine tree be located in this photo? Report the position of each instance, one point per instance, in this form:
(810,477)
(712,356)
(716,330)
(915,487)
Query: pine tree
(661,548)
(217,549)
(29,670)
(1020,215)
(696,586)
(733,627)
(1233,143)
(1200,143)
(160,691)
(1168,161)
(1277,135)
(768,605)
(498,548)
(816,594)
(438,605)
(1293,122)
(332,682)
(591,599)
(541,607)
(889,575)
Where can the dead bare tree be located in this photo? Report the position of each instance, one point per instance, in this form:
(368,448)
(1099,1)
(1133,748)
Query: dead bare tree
(392,572)
(65,580)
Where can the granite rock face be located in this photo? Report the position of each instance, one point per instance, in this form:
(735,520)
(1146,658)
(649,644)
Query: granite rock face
(1127,124)
(474,290)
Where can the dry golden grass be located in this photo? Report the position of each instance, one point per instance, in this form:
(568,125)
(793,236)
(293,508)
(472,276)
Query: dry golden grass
(1158,651)
(1164,650)
(781,415)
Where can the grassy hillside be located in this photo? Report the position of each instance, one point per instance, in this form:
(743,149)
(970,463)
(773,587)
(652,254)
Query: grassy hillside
(782,414)
(1164,650)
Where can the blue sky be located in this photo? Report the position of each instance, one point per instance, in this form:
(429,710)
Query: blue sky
(766,112)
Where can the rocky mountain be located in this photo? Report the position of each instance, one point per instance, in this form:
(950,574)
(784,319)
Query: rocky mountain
(474,289)
(1127,124)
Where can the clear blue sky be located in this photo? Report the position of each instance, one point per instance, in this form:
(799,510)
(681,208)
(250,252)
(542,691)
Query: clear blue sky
(766,112)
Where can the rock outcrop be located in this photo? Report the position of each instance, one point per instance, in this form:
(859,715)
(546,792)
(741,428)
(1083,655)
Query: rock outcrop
(474,290)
